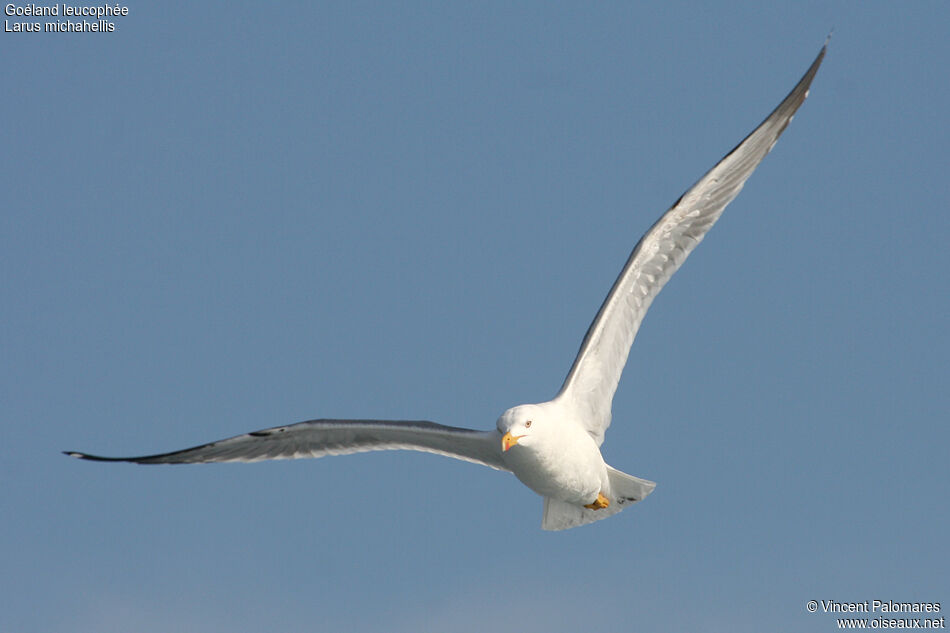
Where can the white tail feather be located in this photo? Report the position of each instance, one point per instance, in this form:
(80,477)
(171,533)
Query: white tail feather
(625,490)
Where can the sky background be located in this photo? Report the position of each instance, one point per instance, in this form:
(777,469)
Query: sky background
(224,217)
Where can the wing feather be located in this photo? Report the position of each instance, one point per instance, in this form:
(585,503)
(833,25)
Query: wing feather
(592,380)
(318,438)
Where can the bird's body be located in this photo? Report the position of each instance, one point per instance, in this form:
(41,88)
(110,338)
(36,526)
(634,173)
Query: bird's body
(561,461)
(552,447)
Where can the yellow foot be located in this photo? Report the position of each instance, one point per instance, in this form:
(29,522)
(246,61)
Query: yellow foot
(600,502)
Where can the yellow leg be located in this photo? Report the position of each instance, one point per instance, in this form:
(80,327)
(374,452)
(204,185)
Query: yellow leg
(600,502)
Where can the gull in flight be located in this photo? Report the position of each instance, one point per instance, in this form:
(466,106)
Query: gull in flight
(552,447)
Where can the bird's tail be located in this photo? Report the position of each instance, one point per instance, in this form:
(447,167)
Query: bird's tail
(625,490)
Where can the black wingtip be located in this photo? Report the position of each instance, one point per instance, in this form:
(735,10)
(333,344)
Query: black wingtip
(92,458)
(78,455)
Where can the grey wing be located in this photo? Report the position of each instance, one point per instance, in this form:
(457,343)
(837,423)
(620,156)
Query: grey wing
(318,438)
(592,381)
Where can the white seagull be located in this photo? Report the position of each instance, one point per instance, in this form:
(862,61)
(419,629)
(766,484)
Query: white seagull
(552,447)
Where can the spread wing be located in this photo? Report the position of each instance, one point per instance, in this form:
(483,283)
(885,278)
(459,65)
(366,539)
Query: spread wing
(318,438)
(592,381)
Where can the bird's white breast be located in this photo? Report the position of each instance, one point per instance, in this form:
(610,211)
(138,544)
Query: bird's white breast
(564,463)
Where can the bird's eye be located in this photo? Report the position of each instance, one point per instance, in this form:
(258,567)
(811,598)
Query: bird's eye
(527,424)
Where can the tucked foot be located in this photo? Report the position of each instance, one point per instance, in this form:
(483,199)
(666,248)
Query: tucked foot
(600,502)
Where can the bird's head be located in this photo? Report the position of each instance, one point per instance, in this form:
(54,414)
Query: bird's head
(520,425)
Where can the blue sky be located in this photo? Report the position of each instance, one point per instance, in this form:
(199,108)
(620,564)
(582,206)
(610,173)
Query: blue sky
(223,218)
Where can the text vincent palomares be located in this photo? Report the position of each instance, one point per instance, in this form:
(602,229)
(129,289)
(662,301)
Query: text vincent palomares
(879,606)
